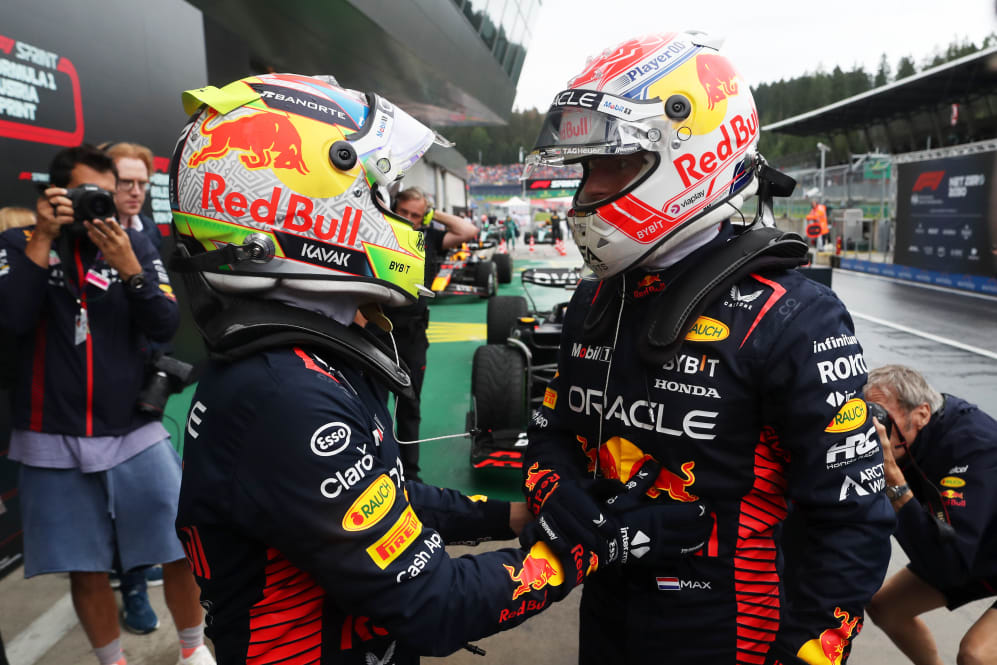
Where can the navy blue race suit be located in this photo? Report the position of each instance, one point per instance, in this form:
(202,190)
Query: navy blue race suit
(307,542)
(951,468)
(759,410)
(87,388)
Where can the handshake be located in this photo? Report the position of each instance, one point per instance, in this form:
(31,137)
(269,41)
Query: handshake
(604,522)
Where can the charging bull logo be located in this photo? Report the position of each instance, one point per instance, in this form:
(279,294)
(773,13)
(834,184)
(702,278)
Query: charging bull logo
(829,648)
(269,140)
(540,568)
(718,78)
(620,459)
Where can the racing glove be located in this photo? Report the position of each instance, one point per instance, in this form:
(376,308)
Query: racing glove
(588,533)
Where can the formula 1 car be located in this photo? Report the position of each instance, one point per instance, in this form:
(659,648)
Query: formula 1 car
(473,269)
(510,373)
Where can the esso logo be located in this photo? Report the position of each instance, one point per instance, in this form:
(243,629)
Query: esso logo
(330,439)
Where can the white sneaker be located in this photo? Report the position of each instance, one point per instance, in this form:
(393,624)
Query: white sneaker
(201,656)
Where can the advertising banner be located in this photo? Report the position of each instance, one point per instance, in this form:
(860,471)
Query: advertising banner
(943,211)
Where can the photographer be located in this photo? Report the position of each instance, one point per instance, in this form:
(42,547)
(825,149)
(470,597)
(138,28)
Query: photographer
(83,295)
(939,461)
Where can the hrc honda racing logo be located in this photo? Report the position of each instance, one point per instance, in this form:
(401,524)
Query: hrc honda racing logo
(644,414)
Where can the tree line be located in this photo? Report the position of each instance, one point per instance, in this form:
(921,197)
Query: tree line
(775,101)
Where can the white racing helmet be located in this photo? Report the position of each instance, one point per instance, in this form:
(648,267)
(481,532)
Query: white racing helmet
(680,107)
(274,190)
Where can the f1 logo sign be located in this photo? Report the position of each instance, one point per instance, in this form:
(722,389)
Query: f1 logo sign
(929,180)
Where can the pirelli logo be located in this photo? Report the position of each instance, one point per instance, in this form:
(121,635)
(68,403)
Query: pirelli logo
(550,398)
(401,534)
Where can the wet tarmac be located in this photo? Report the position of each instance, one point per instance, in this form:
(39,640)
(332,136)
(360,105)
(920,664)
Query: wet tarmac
(950,336)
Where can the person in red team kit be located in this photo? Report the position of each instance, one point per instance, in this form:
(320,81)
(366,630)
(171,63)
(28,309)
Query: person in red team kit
(695,347)
(308,542)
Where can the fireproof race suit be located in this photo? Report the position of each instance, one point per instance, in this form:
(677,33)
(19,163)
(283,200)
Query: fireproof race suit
(950,469)
(758,410)
(308,544)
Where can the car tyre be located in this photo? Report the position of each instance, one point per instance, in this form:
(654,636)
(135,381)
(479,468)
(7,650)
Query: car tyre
(503,312)
(503,262)
(498,385)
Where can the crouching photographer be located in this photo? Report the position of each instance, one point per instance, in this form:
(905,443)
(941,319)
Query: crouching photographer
(83,296)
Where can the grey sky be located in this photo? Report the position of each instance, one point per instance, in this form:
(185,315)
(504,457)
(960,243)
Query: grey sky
(767,40)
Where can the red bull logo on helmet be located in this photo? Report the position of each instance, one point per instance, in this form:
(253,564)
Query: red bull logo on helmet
(267,140)
(717,77)
(736,136)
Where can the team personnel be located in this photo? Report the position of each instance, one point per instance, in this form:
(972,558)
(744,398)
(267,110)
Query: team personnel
(308,542)
(442,231)
(940,459)
(818,228)
(695,346)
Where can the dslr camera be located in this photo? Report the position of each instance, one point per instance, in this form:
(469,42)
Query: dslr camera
(167,376)
(90,202)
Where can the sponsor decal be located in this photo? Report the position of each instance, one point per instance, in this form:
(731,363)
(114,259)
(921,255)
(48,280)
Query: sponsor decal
(361,627)
(302,103)
(335,257)
(953,499)
(706,329)
(837,342)
(540,483)
(648,285)
(402,533)
(695,424)
(675,584)
(851,416)
(742,300)
(331,439)
(601,353)
(334,486)
(674,484)
(266,141)
(842,368)
(959,469)
(838,398)
(717,77)
(870,481)
(197,410)
(540,568)
(550,398)
(739,129)
(852,448)
(830,646)
(686,388)
(419,560)
(371,506)
(687,364)
(656,63)
(928,180)
(952,481)
(528,605)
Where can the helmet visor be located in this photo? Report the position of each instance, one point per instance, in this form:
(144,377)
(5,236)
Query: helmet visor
(584,124)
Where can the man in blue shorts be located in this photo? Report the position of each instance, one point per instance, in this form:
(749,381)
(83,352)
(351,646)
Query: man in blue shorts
(939,460)
(84,298)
